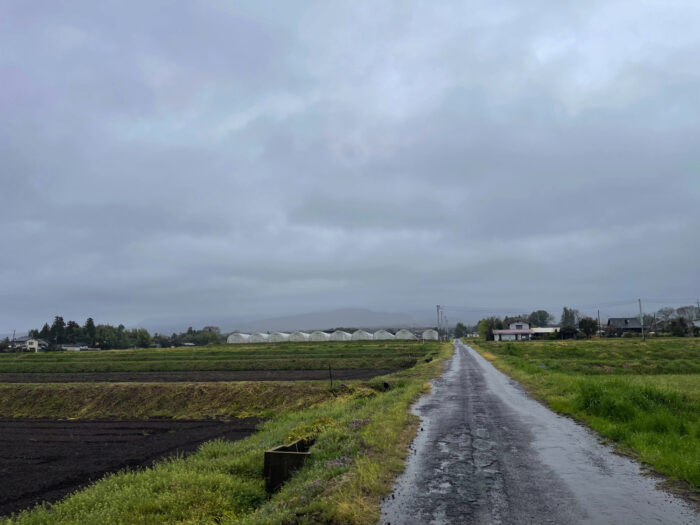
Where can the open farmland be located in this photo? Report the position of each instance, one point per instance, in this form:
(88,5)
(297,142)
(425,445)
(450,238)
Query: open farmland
(386,355)
(97,424)
(643,396)
(361,433)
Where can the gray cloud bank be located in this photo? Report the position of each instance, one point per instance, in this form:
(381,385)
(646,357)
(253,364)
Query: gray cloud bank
(241,159)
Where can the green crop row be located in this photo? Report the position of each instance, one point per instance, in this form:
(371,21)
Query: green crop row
(286,356)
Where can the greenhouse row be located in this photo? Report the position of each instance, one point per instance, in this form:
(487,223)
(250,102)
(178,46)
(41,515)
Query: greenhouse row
(338,335)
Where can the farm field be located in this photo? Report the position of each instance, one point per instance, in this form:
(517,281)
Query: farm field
(643,396)
(48,459)
(388,355)
(361,428)
(197,376)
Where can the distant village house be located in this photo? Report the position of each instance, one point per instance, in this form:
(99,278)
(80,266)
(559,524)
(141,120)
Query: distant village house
(625,324)
(518,331)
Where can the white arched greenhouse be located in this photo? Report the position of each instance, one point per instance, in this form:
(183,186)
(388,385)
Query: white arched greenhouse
(319,336)
(405,334)
(259,337)
(430,335)
(361,335)
(339,335)
(299,337)
(238,338)
(383,335)
(279,337)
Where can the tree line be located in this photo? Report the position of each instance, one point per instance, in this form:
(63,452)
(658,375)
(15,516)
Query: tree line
(671,321)
(108,337)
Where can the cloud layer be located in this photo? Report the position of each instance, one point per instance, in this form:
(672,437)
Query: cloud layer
(217,159)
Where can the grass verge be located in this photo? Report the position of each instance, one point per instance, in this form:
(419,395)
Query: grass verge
(654,416)
(362,435)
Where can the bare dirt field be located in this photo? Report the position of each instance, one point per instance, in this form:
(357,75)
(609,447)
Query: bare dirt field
(44,460)
(194,376)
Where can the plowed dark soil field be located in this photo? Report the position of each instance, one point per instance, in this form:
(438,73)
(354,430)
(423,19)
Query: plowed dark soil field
(44,460)
(194,376)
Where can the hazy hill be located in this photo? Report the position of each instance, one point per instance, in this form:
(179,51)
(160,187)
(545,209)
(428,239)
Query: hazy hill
(345,317)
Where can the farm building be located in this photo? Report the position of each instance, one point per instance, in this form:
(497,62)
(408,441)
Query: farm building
(74,347)
(626,324)
(238,338)
(259,337)
(361,335)
(299,337)
(544,332)
(339,335)
(279,337)
(381,335)
(518,331)
(405,334)
(430,335)
(319,336)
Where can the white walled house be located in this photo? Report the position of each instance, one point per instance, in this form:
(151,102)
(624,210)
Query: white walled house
(406,335)
(383,335)
(299,337)
(430,335)
(36,345)
(238,339)
(339,335)
(518,331)
(319,336)
(361,335)
(259,337)
(279,337)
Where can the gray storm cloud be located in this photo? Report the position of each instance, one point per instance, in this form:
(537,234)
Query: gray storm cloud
(234,159)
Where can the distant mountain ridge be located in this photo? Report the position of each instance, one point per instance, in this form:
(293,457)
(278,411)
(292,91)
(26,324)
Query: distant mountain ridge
(344,317)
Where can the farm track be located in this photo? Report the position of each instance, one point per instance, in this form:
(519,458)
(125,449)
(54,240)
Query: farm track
(488,453)
(193,376)
(44,460)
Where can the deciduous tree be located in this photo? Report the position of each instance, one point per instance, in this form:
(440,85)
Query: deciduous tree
(588,326)
(488,325)
(540,318)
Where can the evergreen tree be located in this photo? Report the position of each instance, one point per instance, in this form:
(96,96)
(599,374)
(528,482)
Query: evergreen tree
(460,330)
(90,331)
(73,332)
(57,331)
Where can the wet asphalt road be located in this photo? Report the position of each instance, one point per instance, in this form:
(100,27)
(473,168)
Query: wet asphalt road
(488,453)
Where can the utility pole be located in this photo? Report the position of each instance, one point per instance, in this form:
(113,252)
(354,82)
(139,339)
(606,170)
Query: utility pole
(438,320)
(641,320)
(599,328)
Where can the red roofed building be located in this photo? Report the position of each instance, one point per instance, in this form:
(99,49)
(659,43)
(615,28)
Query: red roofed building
(518,331)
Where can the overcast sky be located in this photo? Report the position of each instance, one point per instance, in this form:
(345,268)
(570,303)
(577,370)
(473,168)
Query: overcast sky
(234,158)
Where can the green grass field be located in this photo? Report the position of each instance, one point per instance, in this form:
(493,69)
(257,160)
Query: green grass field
(362,432)
(282,356)
(643,396)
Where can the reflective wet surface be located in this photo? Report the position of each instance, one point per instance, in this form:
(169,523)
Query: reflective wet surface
(488,453)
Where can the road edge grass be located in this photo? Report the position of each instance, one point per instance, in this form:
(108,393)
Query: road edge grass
(645,422)
(361,438)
